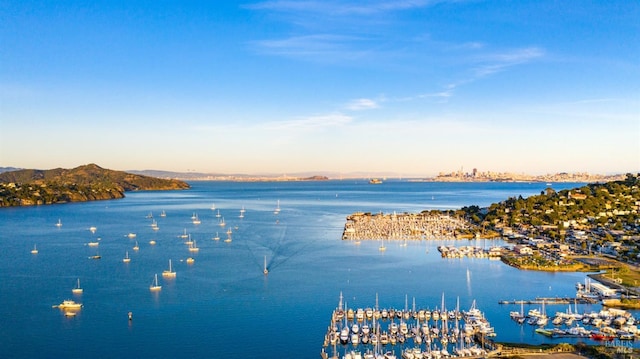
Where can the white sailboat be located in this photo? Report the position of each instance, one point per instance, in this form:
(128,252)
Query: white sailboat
(195,219)
(277,210)
(169,273)
(34,250)
(213,207)
(265,270)
(217,237)
(163,213)
(59,224)
(155,287)
(382,248)
(193,247)
(218,214)
(136,247)
(77,289)
(126,258)
(184,235)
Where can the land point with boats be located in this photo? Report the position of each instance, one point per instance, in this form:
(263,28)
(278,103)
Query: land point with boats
(590,228)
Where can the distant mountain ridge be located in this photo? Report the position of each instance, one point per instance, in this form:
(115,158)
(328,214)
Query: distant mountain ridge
(84,183)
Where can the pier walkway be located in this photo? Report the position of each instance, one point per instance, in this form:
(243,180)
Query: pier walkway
(552,300)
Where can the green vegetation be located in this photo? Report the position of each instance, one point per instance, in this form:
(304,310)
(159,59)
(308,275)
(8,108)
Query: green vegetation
(607,212)
(539,262)
(84,183)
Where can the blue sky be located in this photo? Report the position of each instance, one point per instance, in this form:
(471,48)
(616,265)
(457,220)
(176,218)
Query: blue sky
(412,87)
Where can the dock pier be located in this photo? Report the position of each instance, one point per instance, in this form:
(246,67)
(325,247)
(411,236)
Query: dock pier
(551,300)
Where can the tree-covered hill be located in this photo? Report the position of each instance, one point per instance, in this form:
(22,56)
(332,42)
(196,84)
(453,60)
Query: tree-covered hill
(606,208)
(84,183)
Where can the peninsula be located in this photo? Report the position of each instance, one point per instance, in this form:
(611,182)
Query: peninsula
(90,182)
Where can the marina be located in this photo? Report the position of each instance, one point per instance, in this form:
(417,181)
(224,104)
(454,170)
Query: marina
(394,226)
(408,333)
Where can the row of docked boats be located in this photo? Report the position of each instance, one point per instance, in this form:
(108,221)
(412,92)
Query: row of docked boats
(420,333)
(469,252)
(606,324)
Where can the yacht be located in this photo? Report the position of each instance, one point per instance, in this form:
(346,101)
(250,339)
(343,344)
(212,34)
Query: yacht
(68,304)
(77,289)
(155,287)
(169,273)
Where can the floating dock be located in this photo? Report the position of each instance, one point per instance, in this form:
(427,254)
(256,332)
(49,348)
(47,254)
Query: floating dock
(551,300)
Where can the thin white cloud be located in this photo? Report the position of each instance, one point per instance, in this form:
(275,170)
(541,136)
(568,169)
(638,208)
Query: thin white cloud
(319,47)
(362,104)
(340,8)
(500,61)
(310,123)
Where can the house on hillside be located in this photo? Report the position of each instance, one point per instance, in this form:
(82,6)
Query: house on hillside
(523,250)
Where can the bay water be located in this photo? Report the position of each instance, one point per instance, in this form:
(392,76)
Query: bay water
(222,305)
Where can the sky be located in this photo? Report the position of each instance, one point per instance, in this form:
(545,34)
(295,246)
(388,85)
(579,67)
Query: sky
(410,87)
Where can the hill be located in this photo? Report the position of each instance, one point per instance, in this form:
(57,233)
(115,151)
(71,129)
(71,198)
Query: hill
(85,183)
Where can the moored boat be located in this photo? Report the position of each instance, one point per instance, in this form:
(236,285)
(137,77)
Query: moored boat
(68,304)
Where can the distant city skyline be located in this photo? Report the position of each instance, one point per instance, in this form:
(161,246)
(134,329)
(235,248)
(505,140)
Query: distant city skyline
(408,87)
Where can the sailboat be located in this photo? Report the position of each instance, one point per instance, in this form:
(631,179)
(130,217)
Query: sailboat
(277,210)
(193,247)
(184,235)
(217,237)
(169,273)
(195,219)
(218,214)
(136,247)
(241,214)
(126,258)
(265,270)
(163,213)
(213,207)
(34,250)
(222,223)
(154,287)
(382,248)
(59,224)
(77,290)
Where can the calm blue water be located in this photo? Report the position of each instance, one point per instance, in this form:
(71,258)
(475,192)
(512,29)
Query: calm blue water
(222,306)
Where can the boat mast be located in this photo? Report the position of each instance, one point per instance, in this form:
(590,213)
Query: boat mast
(265,270)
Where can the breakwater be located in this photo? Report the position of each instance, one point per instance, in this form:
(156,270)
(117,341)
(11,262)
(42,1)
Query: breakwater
(405,226)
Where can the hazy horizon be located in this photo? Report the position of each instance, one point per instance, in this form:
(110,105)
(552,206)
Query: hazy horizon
(407,87)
